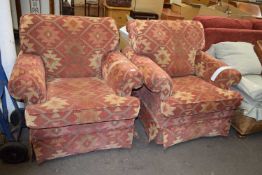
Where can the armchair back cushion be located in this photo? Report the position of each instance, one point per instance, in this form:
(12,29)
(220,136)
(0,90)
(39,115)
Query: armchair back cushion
(173,45)
(69,46)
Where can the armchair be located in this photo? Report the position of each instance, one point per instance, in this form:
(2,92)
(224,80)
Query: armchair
(179,101)
(75,85)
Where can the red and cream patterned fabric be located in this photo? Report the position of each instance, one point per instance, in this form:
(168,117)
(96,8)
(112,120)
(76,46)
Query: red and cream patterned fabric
(121,74)
(72,101)
(194,105)
(128,52)
(206,65)
(71,107)
(192,96)
(171,131)
(52,143)
(155,78)
(70,46)
(171,44)
(27,81)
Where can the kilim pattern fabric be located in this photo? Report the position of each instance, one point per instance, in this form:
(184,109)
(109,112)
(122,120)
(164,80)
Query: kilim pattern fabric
(173,45)
(75,84)
(179,100)
(70,46)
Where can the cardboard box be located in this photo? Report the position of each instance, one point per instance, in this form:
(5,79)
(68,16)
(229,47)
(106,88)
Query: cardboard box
(185,10)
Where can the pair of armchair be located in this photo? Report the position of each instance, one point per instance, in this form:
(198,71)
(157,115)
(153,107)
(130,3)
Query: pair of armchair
(77,87)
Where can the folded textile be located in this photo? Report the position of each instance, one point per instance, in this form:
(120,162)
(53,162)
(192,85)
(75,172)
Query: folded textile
(253,110)
(252,86)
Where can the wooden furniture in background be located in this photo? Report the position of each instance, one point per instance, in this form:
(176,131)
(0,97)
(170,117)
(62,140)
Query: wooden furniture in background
(185,10)
(18,11)
(245,125)
(89,3)
(119,14)
(67,8)
(252,9)
(52,6)
(168,14)
(150,6)
(204,2)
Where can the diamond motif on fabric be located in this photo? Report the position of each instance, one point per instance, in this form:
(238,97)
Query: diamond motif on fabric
(163,57)
(52,62)
(73,25)
(159,34)
(98,36)
(47,34)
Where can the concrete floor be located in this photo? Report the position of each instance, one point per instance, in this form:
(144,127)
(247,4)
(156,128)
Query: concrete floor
(205,156)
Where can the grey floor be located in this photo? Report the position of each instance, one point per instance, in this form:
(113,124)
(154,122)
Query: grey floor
(205,156)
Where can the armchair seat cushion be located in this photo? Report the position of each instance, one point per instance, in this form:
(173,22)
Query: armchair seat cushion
(193,96)
(72,101)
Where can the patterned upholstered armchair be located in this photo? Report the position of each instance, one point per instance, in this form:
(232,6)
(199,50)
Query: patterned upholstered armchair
(180,102)
(75,85)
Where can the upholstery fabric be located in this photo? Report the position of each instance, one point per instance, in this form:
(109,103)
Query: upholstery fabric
(206,65)
(216,35)
(220,29)
(171,44)
(257,24)
(70,46)
(171,131)
(121,74)
(72,101)
(193,95)
(155,78)
(222,22)
(195,106)
(52,143)
(27,81)
(75,85)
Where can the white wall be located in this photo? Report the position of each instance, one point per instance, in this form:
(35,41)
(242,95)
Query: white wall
(7,43)
(153,6)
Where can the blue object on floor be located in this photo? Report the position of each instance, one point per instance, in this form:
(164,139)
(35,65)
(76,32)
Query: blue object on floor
(12,151)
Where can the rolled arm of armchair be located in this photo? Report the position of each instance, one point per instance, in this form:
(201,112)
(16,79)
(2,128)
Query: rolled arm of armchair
(206,66)
(27,81)
(121,74)
(155,78)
